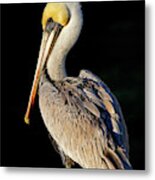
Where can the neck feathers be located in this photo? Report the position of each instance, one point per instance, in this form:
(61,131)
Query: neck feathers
(67,39)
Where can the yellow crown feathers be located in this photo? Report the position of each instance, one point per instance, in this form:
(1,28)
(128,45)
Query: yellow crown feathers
(57,11)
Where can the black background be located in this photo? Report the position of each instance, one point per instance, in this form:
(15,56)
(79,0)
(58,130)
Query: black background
(111,45)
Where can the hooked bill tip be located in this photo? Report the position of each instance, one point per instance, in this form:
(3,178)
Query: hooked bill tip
(27,120)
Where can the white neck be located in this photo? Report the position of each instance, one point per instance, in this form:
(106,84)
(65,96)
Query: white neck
(66,40)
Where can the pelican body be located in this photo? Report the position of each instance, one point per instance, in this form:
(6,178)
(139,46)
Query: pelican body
(81,114)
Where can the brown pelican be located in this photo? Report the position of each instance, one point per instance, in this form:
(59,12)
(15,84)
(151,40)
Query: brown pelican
(80,113)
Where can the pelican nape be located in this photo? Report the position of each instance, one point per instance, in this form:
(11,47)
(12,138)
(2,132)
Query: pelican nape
(81,114)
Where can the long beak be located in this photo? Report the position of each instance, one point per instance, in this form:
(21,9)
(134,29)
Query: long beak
(47,44)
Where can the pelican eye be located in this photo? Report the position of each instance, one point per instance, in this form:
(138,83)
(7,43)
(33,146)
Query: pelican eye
(51,24)
(49,20)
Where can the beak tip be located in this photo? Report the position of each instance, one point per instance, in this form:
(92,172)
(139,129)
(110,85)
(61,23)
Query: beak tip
(27,120)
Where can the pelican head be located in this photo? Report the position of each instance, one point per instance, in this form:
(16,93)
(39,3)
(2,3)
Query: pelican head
(58,12)
(61,24)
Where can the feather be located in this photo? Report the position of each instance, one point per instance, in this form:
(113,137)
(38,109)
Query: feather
(91,108)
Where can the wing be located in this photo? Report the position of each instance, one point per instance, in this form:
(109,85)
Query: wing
(110,110)
(111,105)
